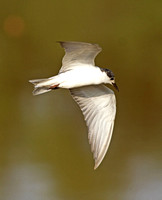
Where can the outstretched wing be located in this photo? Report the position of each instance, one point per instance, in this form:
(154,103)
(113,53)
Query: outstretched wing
(98,105)
(77,53)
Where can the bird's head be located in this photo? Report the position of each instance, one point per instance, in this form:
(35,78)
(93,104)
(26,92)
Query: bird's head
(111,78)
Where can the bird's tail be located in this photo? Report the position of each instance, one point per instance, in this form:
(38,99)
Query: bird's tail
(42,86)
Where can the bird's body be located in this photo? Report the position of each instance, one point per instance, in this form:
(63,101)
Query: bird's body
(85,82)
(80,76)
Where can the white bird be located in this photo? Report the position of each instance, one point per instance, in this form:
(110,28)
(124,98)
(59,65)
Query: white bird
(85,82)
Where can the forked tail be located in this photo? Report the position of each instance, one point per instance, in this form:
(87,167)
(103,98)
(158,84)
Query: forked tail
(42,86)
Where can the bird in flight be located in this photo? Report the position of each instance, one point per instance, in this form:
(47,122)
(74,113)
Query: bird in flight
(86,84)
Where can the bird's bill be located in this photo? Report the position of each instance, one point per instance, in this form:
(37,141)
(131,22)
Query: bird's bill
(115,86)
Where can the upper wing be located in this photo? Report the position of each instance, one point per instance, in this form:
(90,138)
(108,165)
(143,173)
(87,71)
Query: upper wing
(98,105)
(78,53)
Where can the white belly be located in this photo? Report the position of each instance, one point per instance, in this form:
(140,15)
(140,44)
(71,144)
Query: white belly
(81,77)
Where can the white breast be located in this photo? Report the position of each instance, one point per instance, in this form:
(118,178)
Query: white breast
(82,76)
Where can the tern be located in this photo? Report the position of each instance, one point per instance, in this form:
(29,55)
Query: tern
(86,84)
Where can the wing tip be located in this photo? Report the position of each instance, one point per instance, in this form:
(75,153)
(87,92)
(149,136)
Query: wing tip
(97,163)
(60,42)
(76,42)
(95,167)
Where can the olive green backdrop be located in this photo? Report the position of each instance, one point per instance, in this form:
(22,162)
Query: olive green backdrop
(44,150)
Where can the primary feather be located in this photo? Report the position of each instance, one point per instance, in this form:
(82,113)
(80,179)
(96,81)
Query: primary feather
(98,105)
(78,53)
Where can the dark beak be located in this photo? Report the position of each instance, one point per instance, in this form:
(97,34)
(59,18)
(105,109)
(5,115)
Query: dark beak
(115,86)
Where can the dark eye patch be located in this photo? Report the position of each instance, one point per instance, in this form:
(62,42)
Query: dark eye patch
(108,72)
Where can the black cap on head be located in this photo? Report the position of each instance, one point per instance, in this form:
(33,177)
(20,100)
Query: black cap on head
(109,73)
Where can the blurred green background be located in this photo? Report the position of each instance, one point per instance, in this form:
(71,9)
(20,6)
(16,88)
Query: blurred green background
(44,150)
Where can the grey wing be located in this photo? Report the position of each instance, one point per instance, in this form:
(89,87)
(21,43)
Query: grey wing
(98,104)
(78,53)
